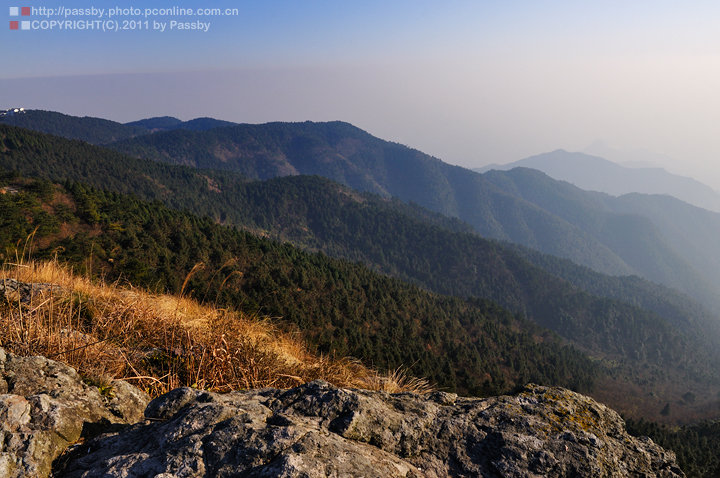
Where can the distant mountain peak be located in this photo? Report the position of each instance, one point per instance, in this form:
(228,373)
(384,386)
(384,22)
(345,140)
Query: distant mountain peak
(157,122)
(595,173)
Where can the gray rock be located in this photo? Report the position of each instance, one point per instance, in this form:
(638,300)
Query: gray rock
(45,406)
(318,430)
(15,291)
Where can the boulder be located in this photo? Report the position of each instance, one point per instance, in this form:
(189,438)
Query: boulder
(318,430)
(45,406)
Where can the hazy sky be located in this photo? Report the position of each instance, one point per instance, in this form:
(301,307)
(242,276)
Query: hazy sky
(472,82)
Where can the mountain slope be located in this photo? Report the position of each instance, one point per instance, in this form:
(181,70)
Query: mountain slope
(462,264)
(685,228)
(100,131)
(339,307)
(308,211)
(317,214)
(402,240)
(168,123)
(660,237)
(532,212)
(594,173)
(348,155)
(92,130)
(158,123)
(394,238)
(541,213)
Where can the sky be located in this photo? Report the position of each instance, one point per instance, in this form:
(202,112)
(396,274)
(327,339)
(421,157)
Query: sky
(471,82)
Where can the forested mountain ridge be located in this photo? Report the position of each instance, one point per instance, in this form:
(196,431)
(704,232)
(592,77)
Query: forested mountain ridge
(92,130)
(312,212)
(52,157)
(316,214)
(108,233)
(467,265)
(671,241)
(677,307)
(342,308)
(617,239)
(610,240)
(168,123)
(406,241)
(101,131)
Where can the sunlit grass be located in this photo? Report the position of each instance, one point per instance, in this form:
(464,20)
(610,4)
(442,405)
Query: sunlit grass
(159,342)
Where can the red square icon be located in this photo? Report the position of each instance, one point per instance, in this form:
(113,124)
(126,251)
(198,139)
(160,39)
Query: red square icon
(25,11)
(14,25)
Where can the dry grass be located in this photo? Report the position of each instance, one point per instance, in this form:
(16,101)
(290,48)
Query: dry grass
(159,342)
(397,381)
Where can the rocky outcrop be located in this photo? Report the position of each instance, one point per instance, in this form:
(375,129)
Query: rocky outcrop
(45,406)
(318,430)
(314,430)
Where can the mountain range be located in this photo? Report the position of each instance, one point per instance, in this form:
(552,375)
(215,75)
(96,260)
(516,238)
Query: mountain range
(638,330)
(655,237)
(479,282)
(594,173)
(342,308)
(611,235)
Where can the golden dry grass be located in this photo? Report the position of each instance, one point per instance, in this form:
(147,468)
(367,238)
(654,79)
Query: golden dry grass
(159,342)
